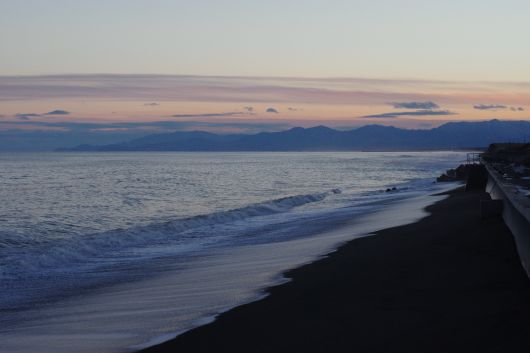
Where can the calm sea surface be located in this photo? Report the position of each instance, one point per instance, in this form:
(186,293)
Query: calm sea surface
(76,224)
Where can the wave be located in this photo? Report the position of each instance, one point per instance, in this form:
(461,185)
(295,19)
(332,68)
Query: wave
(18,256)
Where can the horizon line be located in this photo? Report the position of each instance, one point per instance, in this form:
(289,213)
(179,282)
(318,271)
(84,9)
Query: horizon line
(261,77)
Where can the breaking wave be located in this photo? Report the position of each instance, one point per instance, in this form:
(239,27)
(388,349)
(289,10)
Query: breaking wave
(19,256)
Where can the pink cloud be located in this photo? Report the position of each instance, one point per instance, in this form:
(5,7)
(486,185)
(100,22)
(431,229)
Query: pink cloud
(251,89)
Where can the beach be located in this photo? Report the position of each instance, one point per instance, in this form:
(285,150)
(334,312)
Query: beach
(450,282)
(264,176)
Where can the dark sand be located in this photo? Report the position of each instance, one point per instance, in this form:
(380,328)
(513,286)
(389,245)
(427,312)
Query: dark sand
(448,283)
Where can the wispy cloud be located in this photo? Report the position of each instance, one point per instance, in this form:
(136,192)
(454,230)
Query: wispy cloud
(495,107)
(415,105)
(26,116)
(207,115)
(412,113)
(58,112)
(159,88)
(423,108)
(490,106)
(220,98)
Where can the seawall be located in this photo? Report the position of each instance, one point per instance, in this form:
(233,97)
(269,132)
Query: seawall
(515,212)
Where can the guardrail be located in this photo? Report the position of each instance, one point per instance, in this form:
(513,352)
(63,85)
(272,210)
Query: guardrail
(473,158)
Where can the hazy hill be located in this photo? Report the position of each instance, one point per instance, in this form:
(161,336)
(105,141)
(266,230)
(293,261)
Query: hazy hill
(320,138)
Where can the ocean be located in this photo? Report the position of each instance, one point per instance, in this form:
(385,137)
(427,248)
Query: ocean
(112,252)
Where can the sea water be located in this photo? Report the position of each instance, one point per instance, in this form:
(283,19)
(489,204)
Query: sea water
(111,252)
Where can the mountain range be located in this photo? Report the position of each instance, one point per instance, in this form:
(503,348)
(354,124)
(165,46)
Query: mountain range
(453,135)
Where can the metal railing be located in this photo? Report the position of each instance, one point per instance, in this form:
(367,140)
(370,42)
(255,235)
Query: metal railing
(473,158)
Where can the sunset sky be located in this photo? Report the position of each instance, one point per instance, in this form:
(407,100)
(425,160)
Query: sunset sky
(222,64)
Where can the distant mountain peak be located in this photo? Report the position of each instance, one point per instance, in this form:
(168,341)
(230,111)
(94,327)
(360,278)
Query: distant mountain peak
(453,135)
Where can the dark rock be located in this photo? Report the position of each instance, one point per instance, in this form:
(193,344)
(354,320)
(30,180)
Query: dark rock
(458,174)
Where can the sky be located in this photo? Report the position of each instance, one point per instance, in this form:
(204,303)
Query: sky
(340,63)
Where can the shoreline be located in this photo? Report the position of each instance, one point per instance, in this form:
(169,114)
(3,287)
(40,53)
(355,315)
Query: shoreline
(447,282)
(224,280)
(397,212)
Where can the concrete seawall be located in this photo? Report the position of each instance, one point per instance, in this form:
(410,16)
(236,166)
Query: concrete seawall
(516,212)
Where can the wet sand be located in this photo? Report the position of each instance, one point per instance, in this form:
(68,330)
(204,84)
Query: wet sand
(448,283)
